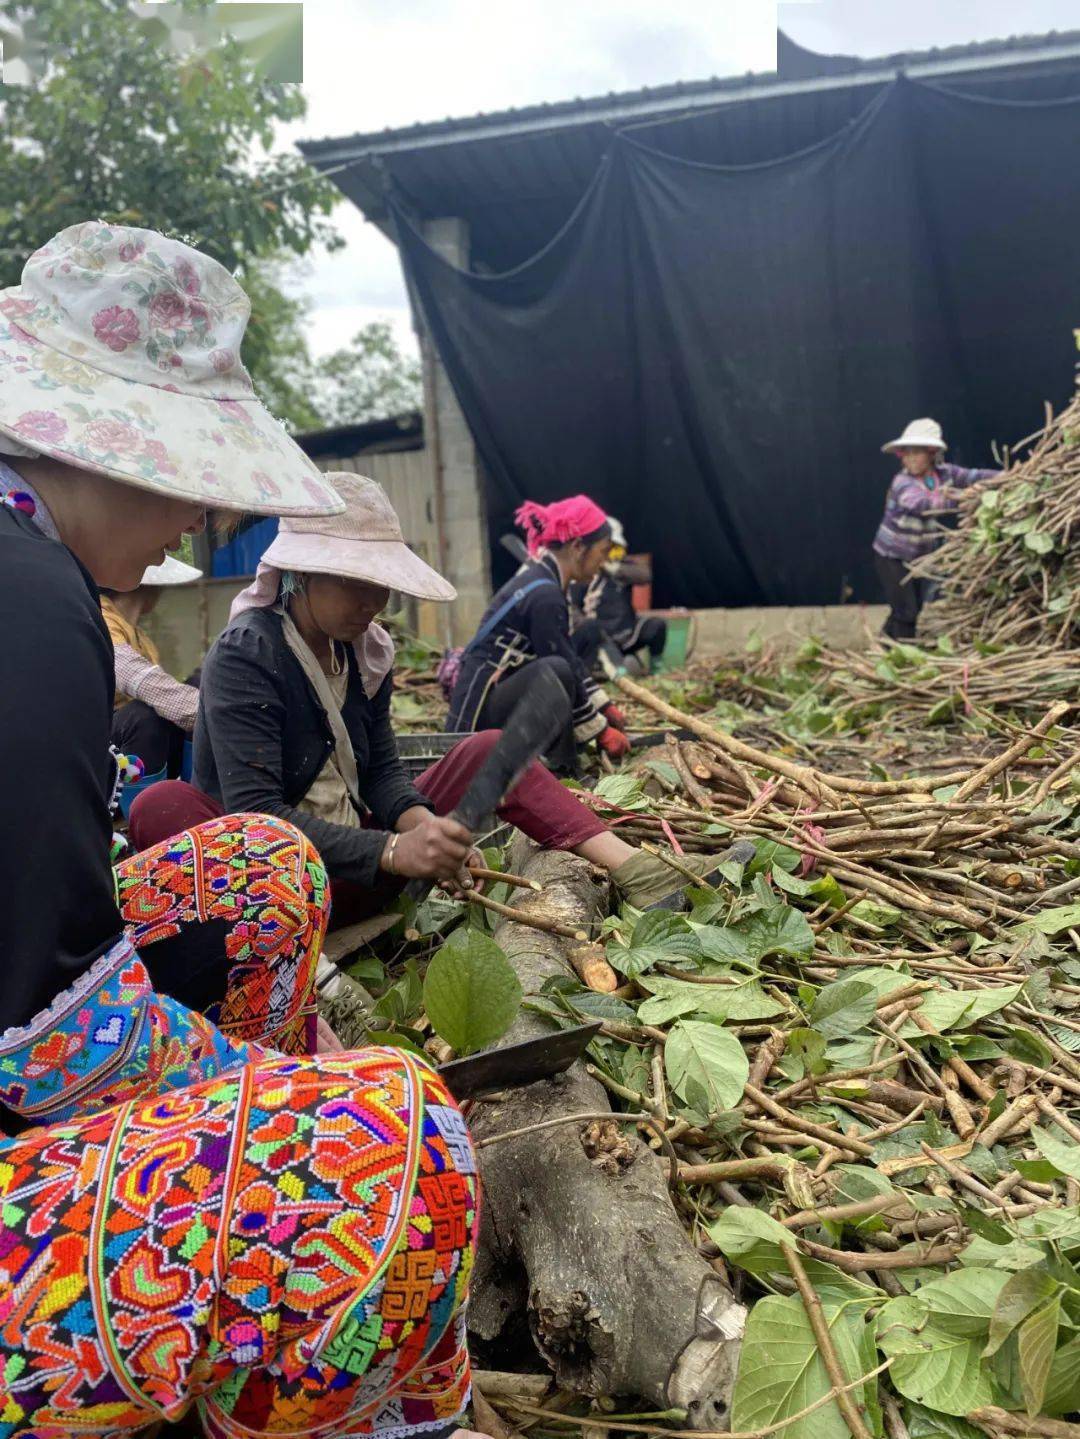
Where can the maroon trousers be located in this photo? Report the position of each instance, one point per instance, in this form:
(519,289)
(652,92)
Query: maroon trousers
(538,805)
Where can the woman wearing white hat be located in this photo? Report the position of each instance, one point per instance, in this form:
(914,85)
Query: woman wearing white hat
(154,713)
(923,491)
(194,1212)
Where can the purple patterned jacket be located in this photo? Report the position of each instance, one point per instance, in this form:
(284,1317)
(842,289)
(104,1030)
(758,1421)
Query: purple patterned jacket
(910,526)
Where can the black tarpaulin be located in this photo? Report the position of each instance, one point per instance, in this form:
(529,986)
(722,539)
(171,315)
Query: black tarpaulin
(716,353)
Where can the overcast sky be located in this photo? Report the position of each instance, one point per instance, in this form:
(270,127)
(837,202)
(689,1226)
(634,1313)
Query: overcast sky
(370,64)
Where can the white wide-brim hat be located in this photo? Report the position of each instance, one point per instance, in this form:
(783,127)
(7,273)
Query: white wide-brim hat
(924,434)
(170,572)
(120,353)
(364,542)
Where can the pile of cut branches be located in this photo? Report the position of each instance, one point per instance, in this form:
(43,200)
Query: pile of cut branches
(1010,571)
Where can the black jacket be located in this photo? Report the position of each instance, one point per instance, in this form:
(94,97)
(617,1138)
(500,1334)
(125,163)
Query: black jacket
(262,737)
(58,912)
(535,626)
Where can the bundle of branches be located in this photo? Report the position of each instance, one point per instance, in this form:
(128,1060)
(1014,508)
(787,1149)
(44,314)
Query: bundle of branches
(1010,572)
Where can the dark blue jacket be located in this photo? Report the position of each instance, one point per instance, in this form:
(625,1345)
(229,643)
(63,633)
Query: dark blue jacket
(535,626)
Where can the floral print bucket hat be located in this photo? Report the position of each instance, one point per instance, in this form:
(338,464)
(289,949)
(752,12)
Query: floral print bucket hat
(120,353)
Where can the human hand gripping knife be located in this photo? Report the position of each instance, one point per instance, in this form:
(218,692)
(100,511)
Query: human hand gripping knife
(534,723)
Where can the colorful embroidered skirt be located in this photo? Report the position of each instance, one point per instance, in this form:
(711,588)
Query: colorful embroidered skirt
(264,884)
(286,1247)
(246,898)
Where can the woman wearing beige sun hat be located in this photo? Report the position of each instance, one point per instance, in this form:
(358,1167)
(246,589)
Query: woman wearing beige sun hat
(175,1155)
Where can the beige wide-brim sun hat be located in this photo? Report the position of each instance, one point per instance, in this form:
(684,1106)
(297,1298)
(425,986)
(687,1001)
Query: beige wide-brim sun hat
(920,434)
(120,354)
(170,572)
(364,542)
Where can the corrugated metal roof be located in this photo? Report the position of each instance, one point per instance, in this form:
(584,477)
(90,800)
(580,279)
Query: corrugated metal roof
(517,175)
(675,97)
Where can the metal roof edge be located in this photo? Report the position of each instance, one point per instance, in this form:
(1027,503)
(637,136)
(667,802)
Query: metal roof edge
(673,101)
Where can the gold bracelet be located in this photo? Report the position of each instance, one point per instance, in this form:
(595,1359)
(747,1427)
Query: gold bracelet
(391,868)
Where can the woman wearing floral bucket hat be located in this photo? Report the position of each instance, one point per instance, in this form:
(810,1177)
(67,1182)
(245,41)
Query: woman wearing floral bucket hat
(919,497)
(196,1210)
(294,720)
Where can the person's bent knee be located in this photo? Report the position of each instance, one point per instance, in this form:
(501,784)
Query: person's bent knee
(560,668)
(165,810)
(302,889)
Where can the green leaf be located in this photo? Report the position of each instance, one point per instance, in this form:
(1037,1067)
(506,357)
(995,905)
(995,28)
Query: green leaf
(743,999)
(843,1008)
(773,855)
(781,1372)
(755,1242)
(658,937)
(706,1066)
(1053,921)
(1063,1155)
(1063,1385)
(959,1009)
(1039,541)
(935,1339)
(1037,1342)
(923,1423)
(780,930)
(624,791)
(1022,1294)
(874,912)
(471,992)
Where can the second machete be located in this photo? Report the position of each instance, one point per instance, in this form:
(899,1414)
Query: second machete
(534,723)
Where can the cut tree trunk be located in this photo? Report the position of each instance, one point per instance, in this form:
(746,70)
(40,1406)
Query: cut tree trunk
(578,1222)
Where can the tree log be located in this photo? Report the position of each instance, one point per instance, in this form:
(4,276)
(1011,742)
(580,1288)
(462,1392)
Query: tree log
(579,1229)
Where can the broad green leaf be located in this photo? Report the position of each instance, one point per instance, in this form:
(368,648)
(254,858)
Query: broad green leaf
(874,912)
(773,855)
(706,1066)
(781,1373)
(755,1242)
(1037,1341)
(1039,542)
(822,887)
(1063,1154)
(1022,1294)
(471,992)
(624,791)
(780,930)
(959,1009)
(743,999)
(1053,921)
(1060,1225)
(843,1008)
(1063,1386)
(659,937)
(935,1338)
(805,1054)
(923,1423)
(663,1008)
(983,1254)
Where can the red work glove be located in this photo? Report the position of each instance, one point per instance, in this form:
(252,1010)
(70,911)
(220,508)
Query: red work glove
(614,743)
(615,717)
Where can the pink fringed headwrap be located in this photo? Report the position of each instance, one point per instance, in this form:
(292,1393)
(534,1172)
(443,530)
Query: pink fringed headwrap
(561,522)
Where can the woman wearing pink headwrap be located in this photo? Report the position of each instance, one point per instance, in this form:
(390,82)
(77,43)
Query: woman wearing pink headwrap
(526,627)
